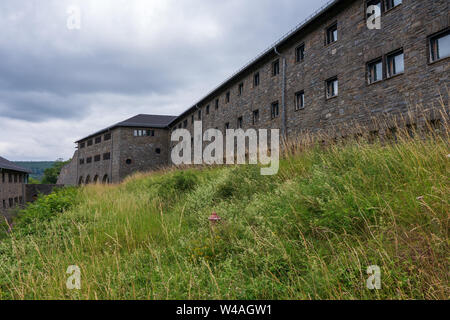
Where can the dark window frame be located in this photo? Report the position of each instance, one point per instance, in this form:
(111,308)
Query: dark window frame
(333,94)
(433,47)
(369,70)
(274,110)
(390,57)
(256,79)
(255,116)
(275,67)
(240,89)
(297,94)
(330,36)
(300,53)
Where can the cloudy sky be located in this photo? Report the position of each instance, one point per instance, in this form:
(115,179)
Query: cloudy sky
(58,84)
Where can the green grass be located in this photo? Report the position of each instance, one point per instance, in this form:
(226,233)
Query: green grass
(310,232)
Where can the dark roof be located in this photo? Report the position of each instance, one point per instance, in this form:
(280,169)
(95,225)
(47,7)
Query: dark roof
(270,52)
(8,165)
(139,121)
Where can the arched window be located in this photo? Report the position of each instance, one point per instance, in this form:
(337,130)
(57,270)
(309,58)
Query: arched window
(96,179)
(88,180)
(105,179)
(80,182)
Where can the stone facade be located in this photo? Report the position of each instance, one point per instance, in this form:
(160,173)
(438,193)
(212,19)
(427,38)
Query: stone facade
(406,27)
(279,75)
(137,144)
(12,186)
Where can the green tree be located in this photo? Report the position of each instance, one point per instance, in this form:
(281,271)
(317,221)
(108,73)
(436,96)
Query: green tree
(51,174)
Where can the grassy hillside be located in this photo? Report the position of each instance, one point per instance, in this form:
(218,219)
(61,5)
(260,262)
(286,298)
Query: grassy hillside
(37,167)
(309,232)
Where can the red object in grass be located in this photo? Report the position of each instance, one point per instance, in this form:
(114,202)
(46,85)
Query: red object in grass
(214,218)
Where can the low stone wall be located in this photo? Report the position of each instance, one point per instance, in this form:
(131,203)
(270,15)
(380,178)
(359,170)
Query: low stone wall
(32,191)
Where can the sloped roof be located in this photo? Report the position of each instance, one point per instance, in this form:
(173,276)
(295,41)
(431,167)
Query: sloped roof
(8,165)
(139,121)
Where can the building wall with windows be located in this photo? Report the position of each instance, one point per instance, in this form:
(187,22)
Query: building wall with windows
(110,156)
(332,72)
(327,72)
(12,181)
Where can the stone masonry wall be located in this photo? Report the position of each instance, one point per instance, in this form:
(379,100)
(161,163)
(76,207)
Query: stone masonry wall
(406,27)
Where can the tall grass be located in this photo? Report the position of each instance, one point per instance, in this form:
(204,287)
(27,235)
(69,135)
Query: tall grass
(309,232)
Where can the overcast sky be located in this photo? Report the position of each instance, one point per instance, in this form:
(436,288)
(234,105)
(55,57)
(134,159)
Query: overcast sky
(59,84)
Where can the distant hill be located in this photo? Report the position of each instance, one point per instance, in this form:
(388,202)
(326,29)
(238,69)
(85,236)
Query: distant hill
(37,167)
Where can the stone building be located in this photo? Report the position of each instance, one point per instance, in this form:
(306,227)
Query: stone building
(332,71)
(12,185)
(109,155)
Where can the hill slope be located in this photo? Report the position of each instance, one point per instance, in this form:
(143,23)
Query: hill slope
(37,167)
(309,232)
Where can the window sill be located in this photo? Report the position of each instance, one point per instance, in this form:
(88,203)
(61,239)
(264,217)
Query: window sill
(299,109)
(331,98)
(330,44)
(395,76)
(375,82)
(439,60)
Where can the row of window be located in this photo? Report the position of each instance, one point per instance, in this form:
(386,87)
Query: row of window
(12,202)
(144,133)
(97,140)
(97,158)
(13,177)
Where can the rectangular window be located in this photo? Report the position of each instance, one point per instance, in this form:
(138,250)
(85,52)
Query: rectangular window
(332,87)
(89,143)
(332,34)
(81,161)
(107,137)
(192,119)
(207,109)
(395,64)
(299,100)
(97,158)
(241,89)
(227,97)
(239,123)
(106,156)
(82,145)
(392,3)
(276,67)
(89,160)
(217,104)
(440,46)
(375,71)
(135,133)
(274,110)
(185,124)
(300,53)
(255,117)
(199,115)
(98,140)
(227,125)
(151,133)
(256,79)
